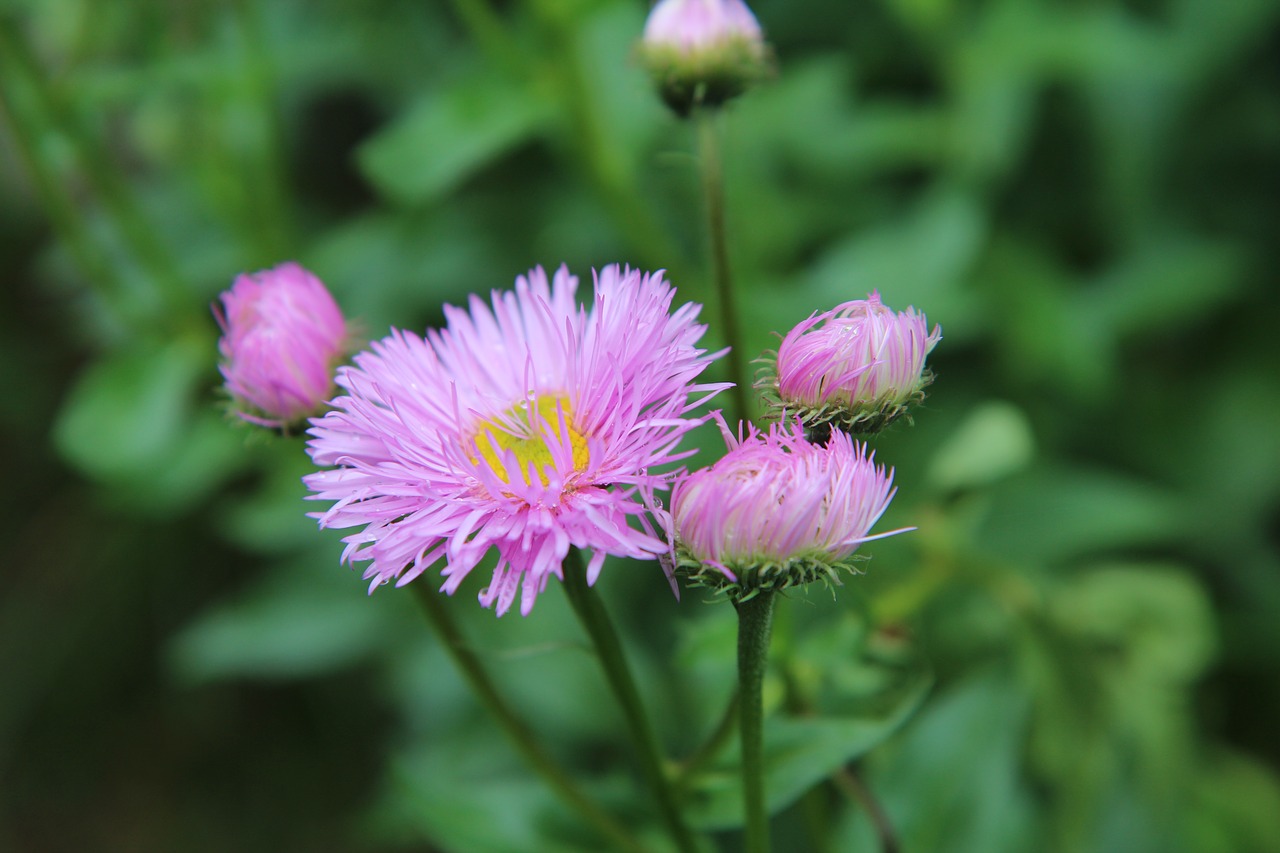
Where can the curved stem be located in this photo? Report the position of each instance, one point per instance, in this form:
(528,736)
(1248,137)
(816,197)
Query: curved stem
(851,783)
(713,189)
(755,616)
(595,619)
(435,609)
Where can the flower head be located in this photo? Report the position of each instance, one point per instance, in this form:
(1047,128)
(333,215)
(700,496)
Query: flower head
(702,52)
(527,426)
(857,367)
(777,511)
(282,337)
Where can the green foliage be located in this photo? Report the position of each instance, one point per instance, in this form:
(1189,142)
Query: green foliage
(800,752)
(1074,651)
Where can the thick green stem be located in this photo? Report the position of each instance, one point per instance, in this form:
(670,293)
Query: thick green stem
(713,189)
(599,627)
(755,617)
(434,607)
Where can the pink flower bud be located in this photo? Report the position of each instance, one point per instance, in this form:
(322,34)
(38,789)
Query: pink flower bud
(777,511)
(283,336)
(694,25)
(703,52)
(857,367)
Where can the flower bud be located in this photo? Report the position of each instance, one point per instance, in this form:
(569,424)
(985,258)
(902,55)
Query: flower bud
(702,52)
(857,368)
(777,511)
(282,337)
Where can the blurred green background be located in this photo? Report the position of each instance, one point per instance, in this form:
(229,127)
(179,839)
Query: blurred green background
(1086,195)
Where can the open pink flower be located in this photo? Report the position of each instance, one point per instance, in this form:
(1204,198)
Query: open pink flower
(526,426)
(858,366)
(283,335)
(778,511)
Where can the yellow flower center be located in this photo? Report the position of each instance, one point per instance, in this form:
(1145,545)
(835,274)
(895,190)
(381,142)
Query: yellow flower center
(530,437)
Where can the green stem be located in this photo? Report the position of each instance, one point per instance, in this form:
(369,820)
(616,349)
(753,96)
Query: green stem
(852,785)
(595,620)
(265,164)
(435,608)
(47,109)
(755,617)
(713,189)
(611,173)
(489,32)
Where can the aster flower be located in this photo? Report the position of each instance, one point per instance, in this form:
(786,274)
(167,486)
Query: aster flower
(857,367)
(702,52)
(778,511)
(527,426)
(283,335)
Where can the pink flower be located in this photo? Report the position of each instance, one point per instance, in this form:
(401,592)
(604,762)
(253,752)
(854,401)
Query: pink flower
(778,511)
(701,53)
(699,25)
(858,366)
(527,427)
(282,337)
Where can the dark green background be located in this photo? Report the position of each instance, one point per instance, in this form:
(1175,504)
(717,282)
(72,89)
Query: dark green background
(1086,196)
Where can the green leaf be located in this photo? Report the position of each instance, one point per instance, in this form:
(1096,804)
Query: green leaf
(799,753)
(1156,615)
(1238,805)
(993,441)
(467,793)
(953,780)
(128,412)
(302,621)
(134,421)
(1171,281)
(450,135)
(1052,514)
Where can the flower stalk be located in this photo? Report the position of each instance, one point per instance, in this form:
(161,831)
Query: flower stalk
(755,618)
(435,609)
(713,189)
(604,638)
(853,786)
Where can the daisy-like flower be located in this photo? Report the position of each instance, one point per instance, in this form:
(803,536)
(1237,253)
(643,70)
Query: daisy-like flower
(282,337)
(858,367)
(526,426)
(702,52)
(778,511)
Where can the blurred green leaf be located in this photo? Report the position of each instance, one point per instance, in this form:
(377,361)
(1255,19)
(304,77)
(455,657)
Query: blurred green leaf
(1162,286)
(1238,806)
(133,421)
(1158,615)
(300,622)
(920,259)
(1049,514)
(799,753)
(428,802)
(451,134)
(993,441)
(273,518)
(952,780)
(127,412)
